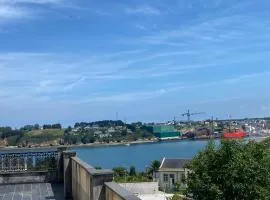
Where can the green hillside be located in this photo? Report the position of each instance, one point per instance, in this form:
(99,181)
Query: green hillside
(45,136)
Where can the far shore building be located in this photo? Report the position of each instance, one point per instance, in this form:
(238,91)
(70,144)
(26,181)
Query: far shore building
(164,132)
(172,171)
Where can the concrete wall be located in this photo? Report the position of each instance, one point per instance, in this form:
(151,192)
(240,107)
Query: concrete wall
(84,182)
(111,195)
(81,181)
(115,192)
(87,183)
(28,177)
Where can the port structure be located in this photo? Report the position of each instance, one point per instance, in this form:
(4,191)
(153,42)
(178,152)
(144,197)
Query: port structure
(189,114)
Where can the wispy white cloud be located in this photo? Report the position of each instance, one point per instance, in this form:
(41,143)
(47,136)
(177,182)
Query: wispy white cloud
(30,1)
(8,12)
(125,97)
(143,9)
(102,12)
(139,26)
(14,10)
(265,107)
(44,73)
(172,88)
(205,50)
(218,100)
(246,77)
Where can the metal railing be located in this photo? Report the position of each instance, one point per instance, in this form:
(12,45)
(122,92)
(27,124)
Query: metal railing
(28,160)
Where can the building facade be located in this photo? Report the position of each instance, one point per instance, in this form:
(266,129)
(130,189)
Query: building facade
(172,173)
(165,132)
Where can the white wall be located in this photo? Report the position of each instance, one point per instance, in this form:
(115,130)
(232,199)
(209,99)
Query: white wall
(177,175)
(141,188)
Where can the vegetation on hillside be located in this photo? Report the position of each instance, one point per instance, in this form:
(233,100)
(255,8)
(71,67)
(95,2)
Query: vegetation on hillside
(31,135)
(46,136)
(82,133)
(106,131)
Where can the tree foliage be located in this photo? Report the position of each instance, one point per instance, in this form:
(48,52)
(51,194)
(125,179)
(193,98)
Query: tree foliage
(122,176)
(52,126)
(155,165)
(107,131)
(177,197)
(119,172)
(103,123)
(132,171)
(234,170)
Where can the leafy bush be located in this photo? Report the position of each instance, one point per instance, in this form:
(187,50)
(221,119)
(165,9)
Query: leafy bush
(233,170)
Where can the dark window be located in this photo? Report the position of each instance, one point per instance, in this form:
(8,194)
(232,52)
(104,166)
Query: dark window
(172,179)
(165,177)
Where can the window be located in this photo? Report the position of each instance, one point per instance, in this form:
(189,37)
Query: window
(165,177)
(172,179)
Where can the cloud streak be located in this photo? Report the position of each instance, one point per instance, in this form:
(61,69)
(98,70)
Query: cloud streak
(18,10)
(8,12)
(117,54)
(31,1)
(142,9)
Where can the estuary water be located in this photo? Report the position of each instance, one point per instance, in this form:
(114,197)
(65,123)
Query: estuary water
(139,155)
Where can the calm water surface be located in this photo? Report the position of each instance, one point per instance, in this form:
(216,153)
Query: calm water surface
(139,155)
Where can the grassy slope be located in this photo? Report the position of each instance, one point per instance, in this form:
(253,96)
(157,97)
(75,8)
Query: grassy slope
(47,136)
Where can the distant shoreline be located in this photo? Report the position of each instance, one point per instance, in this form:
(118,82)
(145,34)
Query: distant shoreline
(111,144)
(94,145)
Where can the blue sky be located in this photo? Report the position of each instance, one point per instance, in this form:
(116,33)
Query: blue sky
(83,60)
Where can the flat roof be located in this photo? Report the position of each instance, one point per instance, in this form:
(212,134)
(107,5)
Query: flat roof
(156,196)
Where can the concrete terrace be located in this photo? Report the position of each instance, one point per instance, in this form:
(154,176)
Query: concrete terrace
(20,178)
(35,191)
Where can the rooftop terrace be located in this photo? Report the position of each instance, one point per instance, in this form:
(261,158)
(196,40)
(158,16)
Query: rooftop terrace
(37,191)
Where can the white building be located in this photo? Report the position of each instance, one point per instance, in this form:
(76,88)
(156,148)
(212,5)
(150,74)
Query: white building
(110,130)
(146,190)
(172,171)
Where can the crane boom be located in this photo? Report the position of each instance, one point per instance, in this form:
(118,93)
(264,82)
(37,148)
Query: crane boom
(189,114)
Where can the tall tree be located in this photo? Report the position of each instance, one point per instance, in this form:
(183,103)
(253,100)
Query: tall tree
(155,164)
(132,171)
(234,170)
(119,171)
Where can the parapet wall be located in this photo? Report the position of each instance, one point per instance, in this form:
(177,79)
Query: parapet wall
(28,177)
(84,182)
(87,182)
(115,192)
